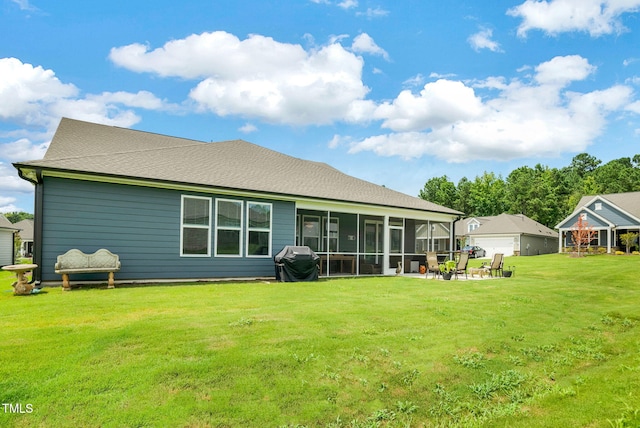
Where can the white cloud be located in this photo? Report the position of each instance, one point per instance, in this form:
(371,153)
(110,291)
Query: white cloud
(27,92)
(217,54)
(434,75)
(22,150)
(482,40)
(439,103)
(25,5)
(33,99)
(258,76)
(372,13)
(248,128)
(8,207)
(596,17)
(335,142)
(539,117)
(364,43)
(417,80)
(348,4)
(10,182)
(562,70)
(33,96)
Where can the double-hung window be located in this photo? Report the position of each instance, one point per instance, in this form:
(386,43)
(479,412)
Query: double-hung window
(258,229)
(228,227)
(195,231)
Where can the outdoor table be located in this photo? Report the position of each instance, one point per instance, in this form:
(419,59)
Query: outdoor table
(21,286)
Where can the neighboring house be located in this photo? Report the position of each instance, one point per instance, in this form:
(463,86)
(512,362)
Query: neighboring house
(173,208)
(26,237)
(466,225)
(609,215)
(7,250)
(513,234)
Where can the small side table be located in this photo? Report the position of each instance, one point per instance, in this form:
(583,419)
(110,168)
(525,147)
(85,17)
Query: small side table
(22,286)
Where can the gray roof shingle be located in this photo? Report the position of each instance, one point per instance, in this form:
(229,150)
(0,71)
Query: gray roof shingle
(513,224)
(6,224)
(238,165)
(629,202)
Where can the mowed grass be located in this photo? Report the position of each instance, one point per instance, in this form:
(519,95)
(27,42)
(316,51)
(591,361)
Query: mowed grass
(557,345)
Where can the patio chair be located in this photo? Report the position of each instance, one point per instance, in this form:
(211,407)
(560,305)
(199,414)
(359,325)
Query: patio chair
(432,264)
(461,267)
(496,265)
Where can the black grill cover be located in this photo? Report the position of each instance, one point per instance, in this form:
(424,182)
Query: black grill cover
(295,264)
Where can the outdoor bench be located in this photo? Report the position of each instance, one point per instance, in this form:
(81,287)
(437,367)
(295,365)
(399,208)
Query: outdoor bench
(75,261)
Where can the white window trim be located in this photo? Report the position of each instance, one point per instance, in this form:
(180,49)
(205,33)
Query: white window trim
(240,228)
(259,229)
(194,226)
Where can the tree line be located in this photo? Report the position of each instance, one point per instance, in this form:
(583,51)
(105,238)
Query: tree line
(546,195)
(15,216)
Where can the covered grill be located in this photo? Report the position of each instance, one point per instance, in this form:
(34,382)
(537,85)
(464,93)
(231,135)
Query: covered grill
(295,264)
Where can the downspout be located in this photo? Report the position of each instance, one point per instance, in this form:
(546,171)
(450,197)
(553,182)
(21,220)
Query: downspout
(36,179)
(454,240)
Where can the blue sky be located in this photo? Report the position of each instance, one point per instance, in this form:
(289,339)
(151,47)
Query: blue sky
(394,92)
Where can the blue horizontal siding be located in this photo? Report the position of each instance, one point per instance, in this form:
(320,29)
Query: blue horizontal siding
(141,225)
(613,214)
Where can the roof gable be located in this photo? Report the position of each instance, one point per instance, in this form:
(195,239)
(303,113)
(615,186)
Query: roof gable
(26,229)
(593,219)
(6,224)
(238,165)
(513,224)
(616,209)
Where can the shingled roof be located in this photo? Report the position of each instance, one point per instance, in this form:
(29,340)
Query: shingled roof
(629,202)
(91,148)
(513,224)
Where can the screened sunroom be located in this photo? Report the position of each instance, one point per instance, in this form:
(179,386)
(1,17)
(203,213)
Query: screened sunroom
(372,241)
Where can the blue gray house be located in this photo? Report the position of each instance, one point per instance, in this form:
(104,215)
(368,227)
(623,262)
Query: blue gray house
(175,209)
(608,215)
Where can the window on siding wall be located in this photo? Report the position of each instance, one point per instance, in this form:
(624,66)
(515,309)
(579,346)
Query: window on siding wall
(195,233)
(228,227)
(258,229)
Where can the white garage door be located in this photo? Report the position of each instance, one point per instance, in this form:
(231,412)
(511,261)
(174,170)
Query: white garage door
(496,245)
(6,248)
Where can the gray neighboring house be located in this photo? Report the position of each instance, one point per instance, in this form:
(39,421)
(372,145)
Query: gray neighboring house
(26,237)
(466,225)
(7,250)
(610,215)
(512,234)
(173,208)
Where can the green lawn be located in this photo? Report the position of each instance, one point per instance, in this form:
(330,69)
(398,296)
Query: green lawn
(557,345)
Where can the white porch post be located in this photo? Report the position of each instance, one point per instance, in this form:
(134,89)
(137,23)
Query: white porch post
(560,241)
(385,246)
(357,262)
(608,240)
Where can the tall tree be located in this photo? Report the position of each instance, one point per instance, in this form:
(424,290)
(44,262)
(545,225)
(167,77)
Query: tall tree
(463,201)
(538,193)
(440,190)
(617,176)
(16,216)
(487,195)
(583,164)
